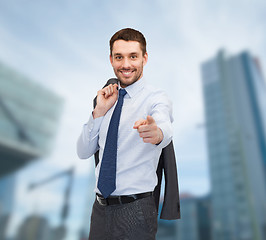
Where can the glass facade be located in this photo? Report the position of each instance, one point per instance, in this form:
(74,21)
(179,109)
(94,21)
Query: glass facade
(195,218)
(7,195)
(188,227)
(7,191)
(29,116)
(236,146)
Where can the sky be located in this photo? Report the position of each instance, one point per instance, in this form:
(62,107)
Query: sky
(63,45)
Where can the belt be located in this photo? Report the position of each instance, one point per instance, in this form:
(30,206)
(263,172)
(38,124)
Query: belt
(112,200)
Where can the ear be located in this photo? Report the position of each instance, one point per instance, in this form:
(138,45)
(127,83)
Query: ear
(111,59)
(145,58)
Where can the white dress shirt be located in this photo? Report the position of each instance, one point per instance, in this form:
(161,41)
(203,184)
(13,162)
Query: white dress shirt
(136,161)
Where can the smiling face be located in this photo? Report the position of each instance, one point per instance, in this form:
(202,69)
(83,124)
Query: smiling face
(128,61)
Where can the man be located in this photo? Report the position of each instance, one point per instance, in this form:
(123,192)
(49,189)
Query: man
(130,125)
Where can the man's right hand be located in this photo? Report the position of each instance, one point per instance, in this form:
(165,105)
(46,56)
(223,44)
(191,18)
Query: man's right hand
(106,98)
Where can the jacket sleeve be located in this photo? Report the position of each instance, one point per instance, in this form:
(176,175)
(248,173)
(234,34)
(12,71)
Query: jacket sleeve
(171,202)
(110,81)
(87,143)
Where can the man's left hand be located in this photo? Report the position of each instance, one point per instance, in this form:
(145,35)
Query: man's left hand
(148,130)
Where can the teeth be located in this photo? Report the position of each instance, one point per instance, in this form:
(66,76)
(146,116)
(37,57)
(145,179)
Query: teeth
(126,73)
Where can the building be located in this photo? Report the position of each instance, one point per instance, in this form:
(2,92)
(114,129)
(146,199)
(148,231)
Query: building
(167,229)
(89,200)
(235,107)
(195,221)
(7,187)
(7,194)
(34,227)
(29,115)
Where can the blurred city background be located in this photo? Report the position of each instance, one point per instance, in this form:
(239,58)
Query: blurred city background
(210,57)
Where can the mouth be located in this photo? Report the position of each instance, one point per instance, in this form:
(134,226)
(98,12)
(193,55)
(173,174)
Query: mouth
(127,73)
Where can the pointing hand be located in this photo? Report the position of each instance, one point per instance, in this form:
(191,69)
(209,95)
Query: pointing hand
(148,130)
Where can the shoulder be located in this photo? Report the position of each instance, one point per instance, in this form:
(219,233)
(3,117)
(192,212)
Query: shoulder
(157,94)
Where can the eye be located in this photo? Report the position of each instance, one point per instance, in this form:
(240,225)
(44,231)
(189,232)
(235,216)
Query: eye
(118,57)
(133,56)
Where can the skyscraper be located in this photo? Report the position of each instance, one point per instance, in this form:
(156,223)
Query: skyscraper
(7,188)
(195,221)
(29,116)
(90,197)
(235,107)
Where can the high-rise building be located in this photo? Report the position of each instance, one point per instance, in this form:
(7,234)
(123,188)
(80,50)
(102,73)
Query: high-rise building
(34,227)
(195,221)
(235,111)
(167,229)
(188,226)
(7,188)
(29,115)
(90,198)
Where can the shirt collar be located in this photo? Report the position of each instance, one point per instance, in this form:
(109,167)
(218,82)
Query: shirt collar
(134,88)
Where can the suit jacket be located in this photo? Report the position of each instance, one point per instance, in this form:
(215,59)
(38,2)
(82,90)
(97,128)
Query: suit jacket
(167,164)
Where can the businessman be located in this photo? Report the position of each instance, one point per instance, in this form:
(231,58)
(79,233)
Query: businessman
(130,125)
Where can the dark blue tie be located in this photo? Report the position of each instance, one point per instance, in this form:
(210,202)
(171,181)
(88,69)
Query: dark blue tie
(107,176)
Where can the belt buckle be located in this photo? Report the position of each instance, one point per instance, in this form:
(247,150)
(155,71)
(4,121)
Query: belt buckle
(101,201)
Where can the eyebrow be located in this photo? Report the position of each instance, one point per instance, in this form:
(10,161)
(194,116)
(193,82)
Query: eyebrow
(133,53)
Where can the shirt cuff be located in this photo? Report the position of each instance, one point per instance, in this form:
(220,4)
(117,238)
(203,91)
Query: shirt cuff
(92,127)
(167,134)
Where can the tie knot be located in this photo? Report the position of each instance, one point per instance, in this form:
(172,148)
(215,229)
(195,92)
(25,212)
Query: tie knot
(122,92)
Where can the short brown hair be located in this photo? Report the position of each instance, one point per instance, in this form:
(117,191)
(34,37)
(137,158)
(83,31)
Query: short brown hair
(128,34)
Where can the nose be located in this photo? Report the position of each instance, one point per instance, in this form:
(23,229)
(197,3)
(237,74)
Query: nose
(126,63)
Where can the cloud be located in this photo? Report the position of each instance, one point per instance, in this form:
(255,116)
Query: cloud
(64,46)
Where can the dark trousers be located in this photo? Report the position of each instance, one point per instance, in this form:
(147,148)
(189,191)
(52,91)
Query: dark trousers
(132,221)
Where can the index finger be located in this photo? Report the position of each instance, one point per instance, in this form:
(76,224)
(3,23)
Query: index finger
(115,86)
(139,123)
